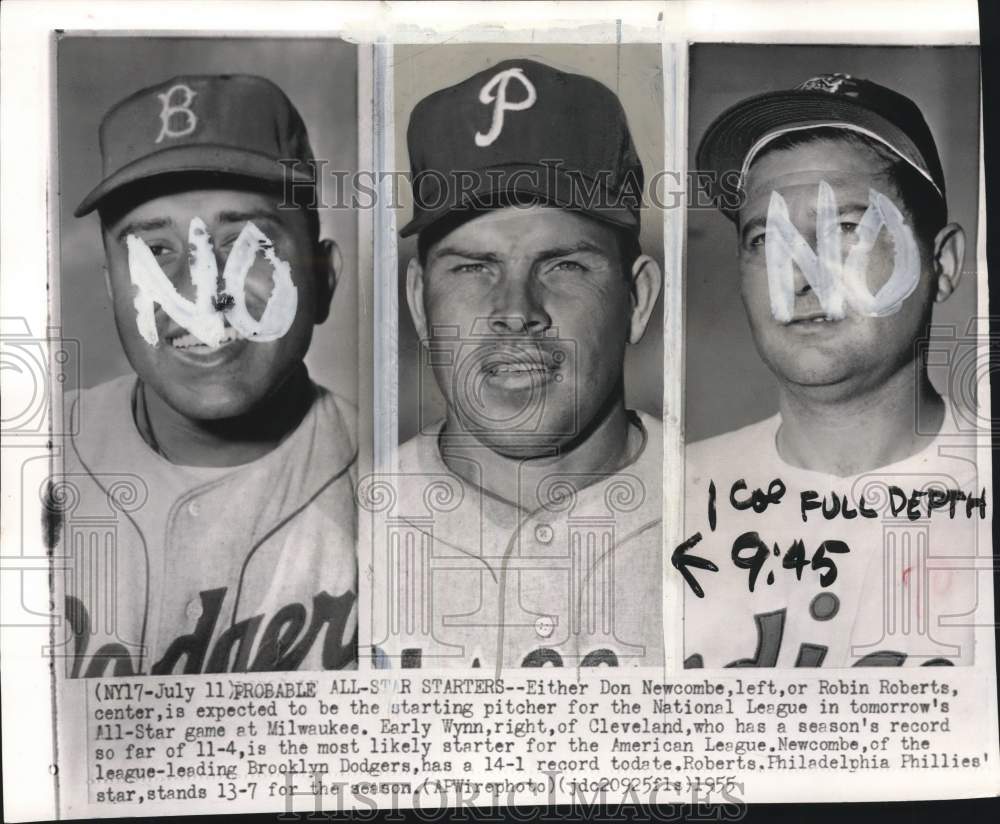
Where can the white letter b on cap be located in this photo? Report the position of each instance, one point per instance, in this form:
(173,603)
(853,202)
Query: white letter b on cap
(172,107)
(501,104)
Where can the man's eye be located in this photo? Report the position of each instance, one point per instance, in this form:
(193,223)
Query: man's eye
(469,268)
(757,240)
(568,266)
(160,250)
(848,227)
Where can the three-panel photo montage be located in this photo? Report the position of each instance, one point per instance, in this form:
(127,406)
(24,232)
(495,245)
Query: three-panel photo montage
(496,356)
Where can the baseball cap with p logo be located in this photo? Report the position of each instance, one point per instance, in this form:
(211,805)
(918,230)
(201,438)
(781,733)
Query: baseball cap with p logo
(521,129)
(232,124)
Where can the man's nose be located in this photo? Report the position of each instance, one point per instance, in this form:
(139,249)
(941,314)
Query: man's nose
(806,226)
(181,276)
(801,285)
(182,273)
(517,308)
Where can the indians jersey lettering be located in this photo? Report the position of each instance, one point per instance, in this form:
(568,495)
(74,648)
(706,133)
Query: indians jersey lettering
(870,582)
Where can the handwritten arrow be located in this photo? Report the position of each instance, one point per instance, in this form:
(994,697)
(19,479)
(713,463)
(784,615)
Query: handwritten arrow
(681,561)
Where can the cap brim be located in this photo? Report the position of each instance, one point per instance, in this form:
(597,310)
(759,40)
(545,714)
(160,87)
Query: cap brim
(192,158)
(555,188)
(731,136)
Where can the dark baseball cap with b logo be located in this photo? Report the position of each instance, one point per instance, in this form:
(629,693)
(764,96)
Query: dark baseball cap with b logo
(231,124)
(737,136)
(523,130)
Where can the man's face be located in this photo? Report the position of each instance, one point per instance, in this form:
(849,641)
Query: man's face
(848,355)
(200,382)
(537,310)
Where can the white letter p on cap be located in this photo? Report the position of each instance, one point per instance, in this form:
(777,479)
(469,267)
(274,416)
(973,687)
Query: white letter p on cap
(500,82)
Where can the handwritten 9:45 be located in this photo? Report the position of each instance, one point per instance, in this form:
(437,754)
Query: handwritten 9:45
(751,553)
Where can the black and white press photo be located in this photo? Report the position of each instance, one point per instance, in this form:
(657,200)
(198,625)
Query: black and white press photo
(437,408)
(204,518)
(526,524)
(831,357)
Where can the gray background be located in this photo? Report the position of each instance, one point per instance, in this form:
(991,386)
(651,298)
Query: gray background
(94,73)
(634,73)
(727,385)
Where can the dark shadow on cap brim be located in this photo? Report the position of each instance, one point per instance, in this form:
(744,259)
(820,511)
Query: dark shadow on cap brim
(186,159)
(488,197)
(731,135)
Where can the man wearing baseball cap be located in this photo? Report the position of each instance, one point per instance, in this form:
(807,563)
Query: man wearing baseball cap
(527,287)
(228,471)
(844,247)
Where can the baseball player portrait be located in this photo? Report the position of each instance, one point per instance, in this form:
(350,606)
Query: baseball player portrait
(841,526)
(223,472)
(535,500)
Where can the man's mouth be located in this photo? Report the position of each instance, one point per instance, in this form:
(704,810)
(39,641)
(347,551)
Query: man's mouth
(518,361)
(519,368)
(810,318)
(185,340)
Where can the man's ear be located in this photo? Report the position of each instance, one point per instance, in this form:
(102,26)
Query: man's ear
(107,283)
(328,264)
(415,297)
(949,255)
(646,282)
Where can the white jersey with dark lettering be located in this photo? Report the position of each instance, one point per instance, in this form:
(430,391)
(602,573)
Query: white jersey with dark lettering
(169,569)
(465,578)
(871,580)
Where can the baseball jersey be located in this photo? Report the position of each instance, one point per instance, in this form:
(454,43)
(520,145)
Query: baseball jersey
(169,569)
(869,580)
(465,578)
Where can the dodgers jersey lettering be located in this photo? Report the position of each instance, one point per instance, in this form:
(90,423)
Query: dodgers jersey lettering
(464,578)
(173,569)
(864,588)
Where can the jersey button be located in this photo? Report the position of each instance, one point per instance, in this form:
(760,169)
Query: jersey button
(194,509)
(544,626)
(544,534)
(193,609)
